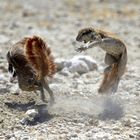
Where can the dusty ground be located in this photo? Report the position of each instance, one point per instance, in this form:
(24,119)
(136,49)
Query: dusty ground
(79,112)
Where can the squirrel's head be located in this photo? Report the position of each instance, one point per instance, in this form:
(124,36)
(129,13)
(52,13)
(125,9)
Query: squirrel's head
(87,35)
(28,81)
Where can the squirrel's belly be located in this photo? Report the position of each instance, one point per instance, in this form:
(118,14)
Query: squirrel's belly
(113,50)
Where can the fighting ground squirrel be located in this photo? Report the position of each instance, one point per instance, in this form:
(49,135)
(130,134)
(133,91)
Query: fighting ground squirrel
(115,58)
(31,61)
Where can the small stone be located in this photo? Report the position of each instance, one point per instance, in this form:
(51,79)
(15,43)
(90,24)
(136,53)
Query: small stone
(59,63)
(131,136)
(31,113)
(93,122)
(89,134)
(76,75)
(1,120)
(74,135)
(30,116)
(65,72)
(16,93)
(127,123)
(9,136)
(12,138)
(116,128)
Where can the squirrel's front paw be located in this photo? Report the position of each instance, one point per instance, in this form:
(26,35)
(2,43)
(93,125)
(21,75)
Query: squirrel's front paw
(81,49)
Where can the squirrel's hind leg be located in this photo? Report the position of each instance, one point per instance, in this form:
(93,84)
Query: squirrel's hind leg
(110,59)
(42,93)
(102,88)
(46,86)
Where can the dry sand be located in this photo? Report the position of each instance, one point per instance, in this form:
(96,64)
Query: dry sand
(79,113)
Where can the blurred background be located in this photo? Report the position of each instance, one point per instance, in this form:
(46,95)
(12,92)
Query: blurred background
(58,21)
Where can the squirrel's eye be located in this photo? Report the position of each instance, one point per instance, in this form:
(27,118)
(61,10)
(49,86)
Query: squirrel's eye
(30,81)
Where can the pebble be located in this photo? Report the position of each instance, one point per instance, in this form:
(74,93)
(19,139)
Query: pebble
(29,116)
(31,113)
(65,71)
(12,138)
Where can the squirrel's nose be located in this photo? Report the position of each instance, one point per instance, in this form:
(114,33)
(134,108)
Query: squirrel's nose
(77,38)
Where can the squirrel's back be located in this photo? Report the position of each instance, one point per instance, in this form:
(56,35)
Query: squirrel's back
(39,56)
(33,51)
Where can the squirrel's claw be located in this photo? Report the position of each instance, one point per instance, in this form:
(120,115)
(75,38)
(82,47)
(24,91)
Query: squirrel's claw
(80,49)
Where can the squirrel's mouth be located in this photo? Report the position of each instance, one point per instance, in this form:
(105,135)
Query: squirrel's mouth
(85,41)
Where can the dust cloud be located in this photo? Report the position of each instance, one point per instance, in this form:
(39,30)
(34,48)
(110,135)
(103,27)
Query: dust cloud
(103,107)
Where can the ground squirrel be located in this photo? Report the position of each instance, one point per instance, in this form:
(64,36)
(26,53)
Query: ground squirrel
(115,58)
(31,61)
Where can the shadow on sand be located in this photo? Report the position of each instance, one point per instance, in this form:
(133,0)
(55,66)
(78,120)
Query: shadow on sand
(42,116)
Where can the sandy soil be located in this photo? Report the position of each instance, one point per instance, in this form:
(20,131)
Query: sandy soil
(79,113)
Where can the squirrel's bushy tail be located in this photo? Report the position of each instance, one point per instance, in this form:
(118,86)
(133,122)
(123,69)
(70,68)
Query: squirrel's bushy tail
(39,55)
(111,79)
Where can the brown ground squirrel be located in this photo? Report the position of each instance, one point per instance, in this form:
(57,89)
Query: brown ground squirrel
(116,55)
(31,61)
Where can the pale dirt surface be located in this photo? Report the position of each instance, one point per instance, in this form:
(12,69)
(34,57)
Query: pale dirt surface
(79,113)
